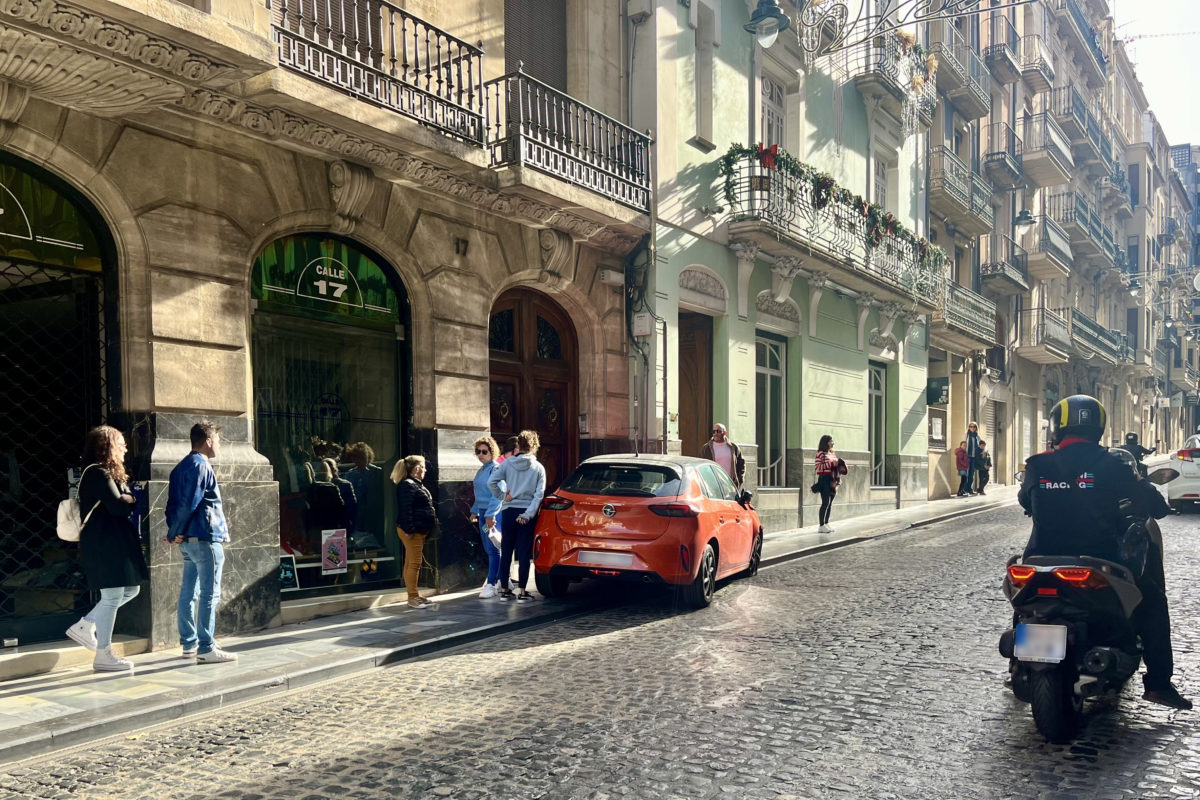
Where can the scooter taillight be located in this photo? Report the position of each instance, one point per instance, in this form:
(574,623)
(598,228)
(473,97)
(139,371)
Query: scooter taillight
(1020,574)
(1081,577)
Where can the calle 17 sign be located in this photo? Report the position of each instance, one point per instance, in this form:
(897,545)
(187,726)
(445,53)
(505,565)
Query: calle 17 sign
(827,26)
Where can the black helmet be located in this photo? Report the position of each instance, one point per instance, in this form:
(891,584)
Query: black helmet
(1131,438)
(1077,415)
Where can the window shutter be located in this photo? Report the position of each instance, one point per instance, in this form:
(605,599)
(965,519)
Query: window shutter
(535,35)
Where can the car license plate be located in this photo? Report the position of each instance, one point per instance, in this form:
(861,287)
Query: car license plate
(1044,643)
(606,558)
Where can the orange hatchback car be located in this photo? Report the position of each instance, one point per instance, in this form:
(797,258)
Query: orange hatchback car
(654,519)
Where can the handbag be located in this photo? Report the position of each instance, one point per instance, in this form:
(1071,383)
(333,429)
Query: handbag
(816,488)
(69,525)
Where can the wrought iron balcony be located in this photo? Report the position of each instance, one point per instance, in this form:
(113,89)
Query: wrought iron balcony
(888,69)
(1002,50)
(1002,160)
(1050,253)
(949,183)
(982,216)
(974,98)
(1043,336)
(1037,65)
(945,41)
(1046,160)
(790,214)
(1081,221)
(1003,266)
(534,125)
(1092,340)
(380,53)
(965,321)
(1115,190)
(1085,36)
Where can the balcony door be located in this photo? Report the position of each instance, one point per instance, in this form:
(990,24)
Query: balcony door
(532,350)
(535,39)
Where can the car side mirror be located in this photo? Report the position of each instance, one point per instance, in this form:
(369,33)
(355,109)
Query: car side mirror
(1019,477)
(744,497)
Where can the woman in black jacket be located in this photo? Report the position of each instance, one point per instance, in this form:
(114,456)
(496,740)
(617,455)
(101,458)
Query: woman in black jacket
(110,548)
(415,519)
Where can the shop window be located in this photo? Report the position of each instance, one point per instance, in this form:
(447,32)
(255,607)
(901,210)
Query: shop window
(327,368)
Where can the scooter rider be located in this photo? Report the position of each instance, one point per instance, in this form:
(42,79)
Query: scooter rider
(1135,447)
(1073,493)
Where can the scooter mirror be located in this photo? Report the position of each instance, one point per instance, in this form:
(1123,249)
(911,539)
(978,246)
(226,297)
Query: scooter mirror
(1163,475)
(1019,477)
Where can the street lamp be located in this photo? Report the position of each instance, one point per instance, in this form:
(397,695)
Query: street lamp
(1024,222)
(1135,287)
(767,22)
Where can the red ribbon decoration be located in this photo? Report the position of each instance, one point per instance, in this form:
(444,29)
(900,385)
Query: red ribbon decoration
(767,155)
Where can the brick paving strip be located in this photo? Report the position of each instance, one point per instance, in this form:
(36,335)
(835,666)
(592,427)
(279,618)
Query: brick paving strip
(49,712)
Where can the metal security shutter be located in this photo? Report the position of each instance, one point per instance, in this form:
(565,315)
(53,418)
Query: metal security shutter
(987,424)
(535,37)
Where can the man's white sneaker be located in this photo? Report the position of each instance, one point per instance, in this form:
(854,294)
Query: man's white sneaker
(83,633)
(106,661)
(489,591)
(190,652)
(215,656)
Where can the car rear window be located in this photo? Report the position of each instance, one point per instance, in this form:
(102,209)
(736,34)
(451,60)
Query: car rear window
(623,481)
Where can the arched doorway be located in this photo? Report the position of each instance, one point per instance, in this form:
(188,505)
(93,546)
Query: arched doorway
(330,371)
(57,327)
(532,349)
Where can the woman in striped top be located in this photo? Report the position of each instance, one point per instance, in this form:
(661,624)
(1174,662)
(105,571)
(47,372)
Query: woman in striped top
(829,475)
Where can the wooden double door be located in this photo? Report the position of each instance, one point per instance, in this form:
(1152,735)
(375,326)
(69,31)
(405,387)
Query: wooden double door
(532,352)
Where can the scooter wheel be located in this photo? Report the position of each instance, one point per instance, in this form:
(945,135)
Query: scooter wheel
(1056,710)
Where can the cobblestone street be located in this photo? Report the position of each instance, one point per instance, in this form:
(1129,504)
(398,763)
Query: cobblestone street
(865,672)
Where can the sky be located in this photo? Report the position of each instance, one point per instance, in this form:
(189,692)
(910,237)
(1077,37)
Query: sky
(1163,64)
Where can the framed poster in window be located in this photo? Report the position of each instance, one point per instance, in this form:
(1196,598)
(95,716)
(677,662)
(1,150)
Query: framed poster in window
(937,428)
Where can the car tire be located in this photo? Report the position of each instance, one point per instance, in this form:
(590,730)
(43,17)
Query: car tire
(551,585)
(699,593)
(755,555)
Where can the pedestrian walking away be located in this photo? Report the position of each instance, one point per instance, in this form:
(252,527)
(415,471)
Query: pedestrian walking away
(521,483)
(961,464)
(415,520)
(972,445)
(983,466)
(721,449)
(110,547)
(484,511)
(830,470)
(196,522)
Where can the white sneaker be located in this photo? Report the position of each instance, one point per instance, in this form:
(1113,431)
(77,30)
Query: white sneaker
(489,591)
(189,652)
(822,529)
(105,661)
(83,633)
(215,656)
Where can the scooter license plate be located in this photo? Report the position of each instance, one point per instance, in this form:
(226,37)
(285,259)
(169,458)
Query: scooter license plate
(1044,643)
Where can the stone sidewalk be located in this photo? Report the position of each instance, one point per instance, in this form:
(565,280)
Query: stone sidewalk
(48,712)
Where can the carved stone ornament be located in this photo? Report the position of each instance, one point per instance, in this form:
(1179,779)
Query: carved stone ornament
(747,254)
(90,83)
(556,249)
(783,273)
(350,188)
(702,283)
(780,310)
(275,123)
(12,104)
(113,39)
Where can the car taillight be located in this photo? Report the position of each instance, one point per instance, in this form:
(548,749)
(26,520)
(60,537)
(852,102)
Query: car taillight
(1020,574)
(1081,577)
(1184,455)
(556,503)
(675,510)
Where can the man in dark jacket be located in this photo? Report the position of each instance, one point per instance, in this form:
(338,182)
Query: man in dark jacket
(721,449)
(1135,447)
(1073,493)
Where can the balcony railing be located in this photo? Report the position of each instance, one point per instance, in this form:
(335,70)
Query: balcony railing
(1093,336)
(535,125)
(981,201)
(1003,157)
(823,223)
(886,68)
(949,178)
(1041,327)
(1052,239)
(1042,137)
(945,43)
(1081,219)
(378,52)
(1087,32)
(1003,264)
(1036,63)
(969,312)
(1002,50)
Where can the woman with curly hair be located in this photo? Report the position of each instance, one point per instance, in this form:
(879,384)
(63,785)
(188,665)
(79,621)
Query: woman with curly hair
(110,548)
(484,511)
(525,484)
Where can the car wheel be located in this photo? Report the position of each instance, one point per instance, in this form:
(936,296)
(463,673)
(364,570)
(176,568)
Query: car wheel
(755,555)
(551,585)
(699,593)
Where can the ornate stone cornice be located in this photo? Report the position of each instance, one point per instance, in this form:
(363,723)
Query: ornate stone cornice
(112,39)
(277,124)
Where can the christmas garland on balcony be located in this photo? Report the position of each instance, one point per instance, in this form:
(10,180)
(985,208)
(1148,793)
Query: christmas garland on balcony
(877,223)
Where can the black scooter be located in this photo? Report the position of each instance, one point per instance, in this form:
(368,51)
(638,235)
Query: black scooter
(1073,636)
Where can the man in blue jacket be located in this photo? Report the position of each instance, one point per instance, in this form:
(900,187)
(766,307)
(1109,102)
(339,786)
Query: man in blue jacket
(196,522)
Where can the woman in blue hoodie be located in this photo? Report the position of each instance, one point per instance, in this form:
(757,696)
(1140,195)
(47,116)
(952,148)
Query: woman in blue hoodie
(485,509)
(525,481)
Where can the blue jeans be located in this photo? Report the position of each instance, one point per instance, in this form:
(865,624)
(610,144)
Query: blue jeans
(200,593)
(104,614)
(493,552)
